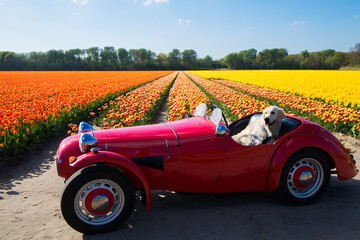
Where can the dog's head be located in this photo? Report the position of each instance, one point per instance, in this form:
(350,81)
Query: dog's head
(273,115)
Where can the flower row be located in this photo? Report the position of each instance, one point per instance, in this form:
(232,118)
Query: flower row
(240,104)
(333,87)
(29,96)
(37,105)
(252,98)
(184,97)
(137,107)
(335,114)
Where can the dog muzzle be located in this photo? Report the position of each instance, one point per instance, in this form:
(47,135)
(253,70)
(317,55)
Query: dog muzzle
(267,122)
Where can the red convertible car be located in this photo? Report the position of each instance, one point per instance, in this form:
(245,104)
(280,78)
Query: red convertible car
(103,169)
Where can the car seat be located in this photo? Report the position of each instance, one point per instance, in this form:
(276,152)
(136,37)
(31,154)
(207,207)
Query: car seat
(287,124)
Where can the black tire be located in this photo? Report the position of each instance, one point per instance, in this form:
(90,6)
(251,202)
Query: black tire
(97,199)
(304,177)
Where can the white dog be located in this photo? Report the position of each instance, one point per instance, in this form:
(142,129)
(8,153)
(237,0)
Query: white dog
(264,129)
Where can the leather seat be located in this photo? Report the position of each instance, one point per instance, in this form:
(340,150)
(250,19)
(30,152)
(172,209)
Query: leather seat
(287,125)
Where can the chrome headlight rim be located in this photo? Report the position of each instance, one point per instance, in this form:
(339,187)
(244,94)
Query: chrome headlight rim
(86,142)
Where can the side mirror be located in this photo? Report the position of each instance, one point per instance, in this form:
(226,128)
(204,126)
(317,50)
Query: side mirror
(221,130)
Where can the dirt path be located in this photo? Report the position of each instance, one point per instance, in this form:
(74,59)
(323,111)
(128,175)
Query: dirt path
(162,114)
(30,197)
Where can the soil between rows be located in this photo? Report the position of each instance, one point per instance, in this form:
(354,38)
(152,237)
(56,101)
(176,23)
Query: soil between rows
(30,208)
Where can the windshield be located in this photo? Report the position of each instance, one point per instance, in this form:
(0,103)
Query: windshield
(200,110)
(216,116)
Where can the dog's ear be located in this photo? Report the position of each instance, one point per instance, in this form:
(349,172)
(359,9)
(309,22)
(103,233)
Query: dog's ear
(280,115)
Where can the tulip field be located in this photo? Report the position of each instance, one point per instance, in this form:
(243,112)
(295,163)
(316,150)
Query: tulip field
(334,87)
(38,105)
(184,97)
(329,98)
(136,107)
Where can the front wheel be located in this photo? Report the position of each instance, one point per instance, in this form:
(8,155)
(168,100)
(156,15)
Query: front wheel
(304,177)
(97,199)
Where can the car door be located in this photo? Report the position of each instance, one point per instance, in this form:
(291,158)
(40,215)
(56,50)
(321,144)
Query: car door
(245,167)
(201,161)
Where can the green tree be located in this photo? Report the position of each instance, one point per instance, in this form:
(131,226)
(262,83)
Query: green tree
(292,61)
(323,55)
(55,59)
(266,60)
(161,61)
(149,61)
(273,58)
(37,61)
(313,61)
(140,58)
(356,48)
(336,61)
(232,61)
(174,59)
(304,55)
(189,58)
(248,57)
(10,60)
(2,60)
(207,62)
(93,58)
(124,59)
(353,57)
(108,58)
(72,59)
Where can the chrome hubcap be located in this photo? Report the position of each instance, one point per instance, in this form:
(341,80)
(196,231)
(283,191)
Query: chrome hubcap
(305,178)
(99,202)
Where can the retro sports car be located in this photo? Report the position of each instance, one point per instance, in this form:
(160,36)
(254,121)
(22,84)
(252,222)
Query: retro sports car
(103,169)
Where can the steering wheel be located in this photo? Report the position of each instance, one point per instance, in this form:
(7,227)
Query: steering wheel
(223,115)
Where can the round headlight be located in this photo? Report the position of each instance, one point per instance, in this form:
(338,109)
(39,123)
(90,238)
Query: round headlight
(86,142)
(85,127)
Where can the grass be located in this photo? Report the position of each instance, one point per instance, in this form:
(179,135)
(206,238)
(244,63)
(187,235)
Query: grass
(350,68)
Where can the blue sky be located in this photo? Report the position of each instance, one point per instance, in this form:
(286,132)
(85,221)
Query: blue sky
(210,27)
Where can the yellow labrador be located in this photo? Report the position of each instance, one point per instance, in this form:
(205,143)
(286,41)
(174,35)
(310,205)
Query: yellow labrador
(264,129)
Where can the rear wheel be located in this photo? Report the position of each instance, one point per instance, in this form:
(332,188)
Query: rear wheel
(97,199)
(304,177)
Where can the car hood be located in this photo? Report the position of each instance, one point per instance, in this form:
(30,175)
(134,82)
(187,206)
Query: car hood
(128,141)
(193,129)
(138,138)
(156,135)
(148,136)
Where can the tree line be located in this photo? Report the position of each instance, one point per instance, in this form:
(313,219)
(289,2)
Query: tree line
(279,58)
(109,58)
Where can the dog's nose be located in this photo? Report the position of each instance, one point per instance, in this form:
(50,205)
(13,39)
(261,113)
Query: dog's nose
(266,120)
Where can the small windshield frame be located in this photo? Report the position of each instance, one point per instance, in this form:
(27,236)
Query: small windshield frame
(200,110)
(216,116)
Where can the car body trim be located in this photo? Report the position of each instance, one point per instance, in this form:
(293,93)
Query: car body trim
(177,137)
(156,162)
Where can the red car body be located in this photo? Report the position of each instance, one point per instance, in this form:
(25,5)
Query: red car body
(195,159)
(188,156)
